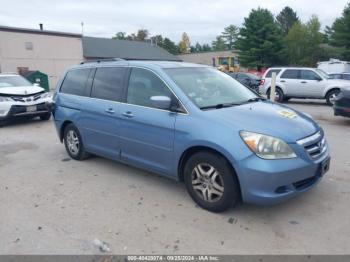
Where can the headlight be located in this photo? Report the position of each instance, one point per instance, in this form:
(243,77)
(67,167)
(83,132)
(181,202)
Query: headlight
(46,95)
(5,99)
(267,147)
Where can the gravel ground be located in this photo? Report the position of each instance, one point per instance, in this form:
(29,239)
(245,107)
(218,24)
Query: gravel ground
(50,204)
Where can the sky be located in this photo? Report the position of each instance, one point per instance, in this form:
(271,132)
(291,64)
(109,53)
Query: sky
(202,20)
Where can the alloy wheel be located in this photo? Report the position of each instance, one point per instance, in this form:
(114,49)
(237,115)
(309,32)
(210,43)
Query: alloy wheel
(73,142)
(207,182)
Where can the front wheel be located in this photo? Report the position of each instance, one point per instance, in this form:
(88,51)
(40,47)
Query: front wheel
(211,181)
(331,95)
(73,143)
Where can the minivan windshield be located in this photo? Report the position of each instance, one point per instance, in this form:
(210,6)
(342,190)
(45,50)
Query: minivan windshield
(10,81)
(210,88)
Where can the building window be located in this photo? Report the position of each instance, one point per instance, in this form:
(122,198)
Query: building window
(28,45)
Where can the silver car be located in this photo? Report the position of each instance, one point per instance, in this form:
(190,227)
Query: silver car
(301,82)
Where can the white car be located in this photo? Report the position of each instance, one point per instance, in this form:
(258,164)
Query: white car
(301,82)
(20,98)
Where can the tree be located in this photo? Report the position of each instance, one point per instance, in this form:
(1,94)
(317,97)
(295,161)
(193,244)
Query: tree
(184,44)
(157,40)
(230,36)
(142,35)
(286,19)
(170,46)
(206,48)
(219,44)
(120,36)
(260,41)
(340,36)
(303,43)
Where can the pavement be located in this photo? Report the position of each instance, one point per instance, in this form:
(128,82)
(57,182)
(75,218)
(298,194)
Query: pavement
(50,204)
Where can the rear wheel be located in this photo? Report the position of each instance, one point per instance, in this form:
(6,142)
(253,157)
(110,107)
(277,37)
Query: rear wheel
(211,181)
(279,96)
(331,95)
(73,143)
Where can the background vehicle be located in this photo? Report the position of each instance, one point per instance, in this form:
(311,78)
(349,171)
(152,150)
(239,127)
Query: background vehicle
(226,64)
(19,98)
(344,76)
(342,103)
(191,123)
(300,82)
(249,80)
(334,66)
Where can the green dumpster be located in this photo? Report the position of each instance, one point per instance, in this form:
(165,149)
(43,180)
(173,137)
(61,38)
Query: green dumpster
(37,77)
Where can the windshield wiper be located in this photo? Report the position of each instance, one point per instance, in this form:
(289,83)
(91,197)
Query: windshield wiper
(218,106)
(255,99)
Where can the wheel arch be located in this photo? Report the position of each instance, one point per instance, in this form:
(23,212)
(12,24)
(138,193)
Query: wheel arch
(330,89)
(194,149)
(63,127)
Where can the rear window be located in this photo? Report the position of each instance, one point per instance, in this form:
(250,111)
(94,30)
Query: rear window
(108,83)
(290,74)
(75,82)
(269,73)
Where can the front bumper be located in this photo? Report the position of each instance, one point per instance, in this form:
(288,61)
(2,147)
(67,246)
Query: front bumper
(342,104)
(21,110)
(268,182)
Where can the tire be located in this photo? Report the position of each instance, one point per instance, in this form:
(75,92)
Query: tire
(45,117)
(206,172)
(279,95)
(331,95)
(73,143)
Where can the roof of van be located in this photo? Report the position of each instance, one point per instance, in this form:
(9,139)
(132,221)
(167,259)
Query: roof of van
(143,63)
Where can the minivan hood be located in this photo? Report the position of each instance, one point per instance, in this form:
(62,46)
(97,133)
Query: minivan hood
(267,118)
(20,90)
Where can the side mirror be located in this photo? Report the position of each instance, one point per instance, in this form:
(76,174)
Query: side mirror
(161,102)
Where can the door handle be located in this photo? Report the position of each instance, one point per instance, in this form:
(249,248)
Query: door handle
(128,114)
(303,82)
(283,81)
(109,111)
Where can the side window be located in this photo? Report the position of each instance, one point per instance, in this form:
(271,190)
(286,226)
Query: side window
(108,83)
(75,82)
(346,76)
(269,73)
(309,75)
(290,74)
(144,84)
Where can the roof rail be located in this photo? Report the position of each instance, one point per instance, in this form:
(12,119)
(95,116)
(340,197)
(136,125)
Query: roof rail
(102,60)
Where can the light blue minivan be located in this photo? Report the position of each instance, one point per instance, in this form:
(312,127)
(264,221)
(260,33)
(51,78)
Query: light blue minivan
(191,123)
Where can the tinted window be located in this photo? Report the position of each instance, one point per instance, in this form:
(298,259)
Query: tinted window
(108,83)
(336,76)
(75,82)
(309,75)
(144,84)
(290,74)
(269,73)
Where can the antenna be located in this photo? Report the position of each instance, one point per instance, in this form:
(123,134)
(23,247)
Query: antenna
(82,28)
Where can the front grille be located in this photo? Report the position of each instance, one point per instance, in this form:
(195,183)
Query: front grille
(26,98)
(314,145)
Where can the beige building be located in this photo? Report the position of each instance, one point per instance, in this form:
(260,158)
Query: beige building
(47,51)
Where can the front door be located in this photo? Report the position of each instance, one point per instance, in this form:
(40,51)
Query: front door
(146,133)
(312,84)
